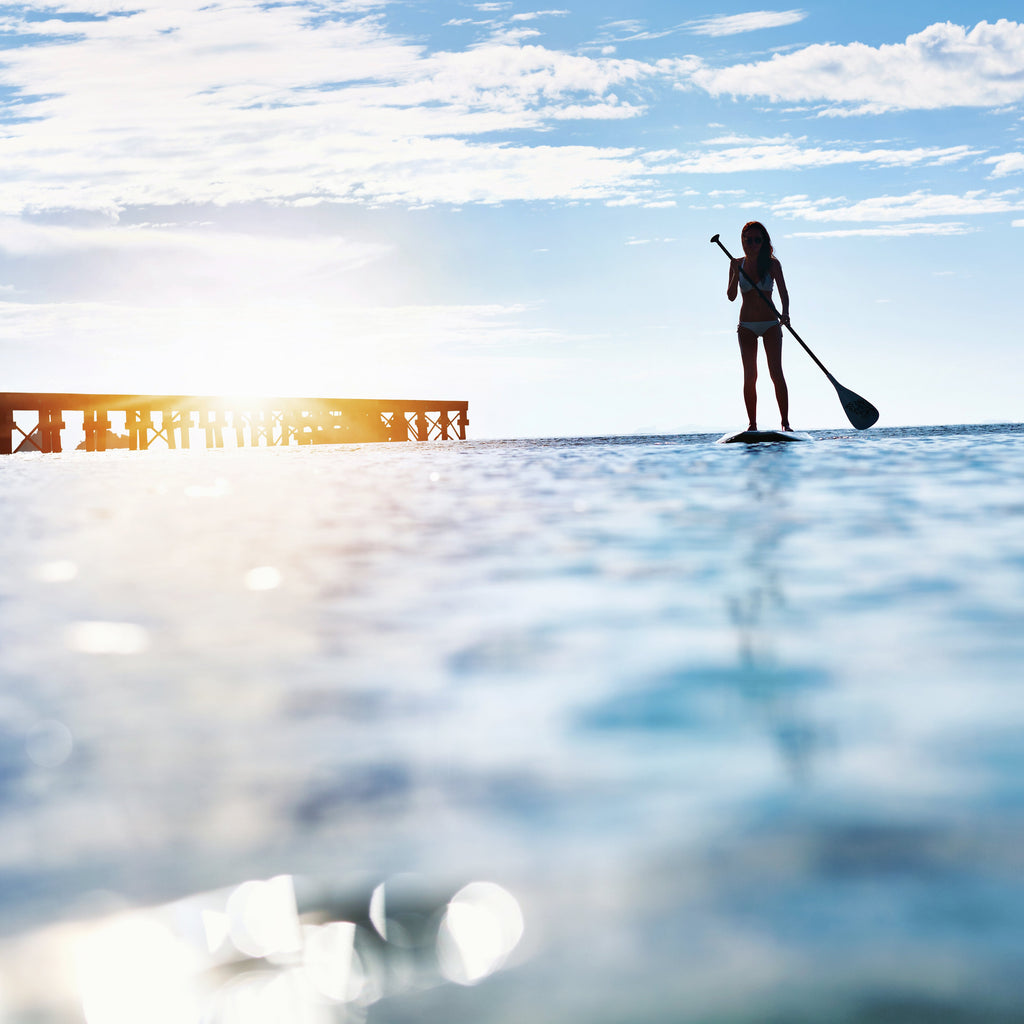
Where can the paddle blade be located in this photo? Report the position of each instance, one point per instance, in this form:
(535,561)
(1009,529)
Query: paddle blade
(859,411)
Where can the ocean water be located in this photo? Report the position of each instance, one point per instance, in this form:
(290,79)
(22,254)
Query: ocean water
(624,730)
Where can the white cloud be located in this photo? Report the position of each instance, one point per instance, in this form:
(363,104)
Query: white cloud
(632,31)
(1008,163)
(888,231)
(533,15)
(732,154)
(505,35)
(221,103)
(914,206)
(945,65)
(752,21)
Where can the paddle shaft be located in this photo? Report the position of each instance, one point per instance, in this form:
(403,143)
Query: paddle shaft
(771,306)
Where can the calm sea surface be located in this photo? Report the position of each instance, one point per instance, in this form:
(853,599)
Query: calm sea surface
(624,730)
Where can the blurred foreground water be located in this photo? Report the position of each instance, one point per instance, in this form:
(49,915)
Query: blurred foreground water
(627,730)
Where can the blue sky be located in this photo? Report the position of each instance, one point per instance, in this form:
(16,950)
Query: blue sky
(512,204)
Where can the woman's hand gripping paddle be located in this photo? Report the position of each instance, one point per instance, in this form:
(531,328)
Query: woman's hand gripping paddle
(860,412)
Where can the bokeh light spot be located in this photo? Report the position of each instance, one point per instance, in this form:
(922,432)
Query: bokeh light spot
(333,967)
(482,925)
(58,571)
(263,919)
(263,577)
(107,638)
(49,743)
(134,969)
(378,912)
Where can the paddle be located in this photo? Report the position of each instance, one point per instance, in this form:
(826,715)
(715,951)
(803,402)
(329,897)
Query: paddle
(860,412)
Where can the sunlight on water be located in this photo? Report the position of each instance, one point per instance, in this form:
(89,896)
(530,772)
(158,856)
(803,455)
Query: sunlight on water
(247,954)
(134,968)
(264,577)
(107,638)
(59,571)
(482,925)
(263,920)
(645,730)
(332,964)
(220,488)
(378,912)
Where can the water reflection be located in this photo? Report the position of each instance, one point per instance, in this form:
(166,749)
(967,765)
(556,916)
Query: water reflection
(278,950)
(745,577)
(760,612)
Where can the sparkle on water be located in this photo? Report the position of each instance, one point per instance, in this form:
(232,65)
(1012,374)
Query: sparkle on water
(596,730)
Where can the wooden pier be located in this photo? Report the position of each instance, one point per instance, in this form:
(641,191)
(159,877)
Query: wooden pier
(35,421)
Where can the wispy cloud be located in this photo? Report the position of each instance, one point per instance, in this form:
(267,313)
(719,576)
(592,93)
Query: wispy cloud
(534,15)
(890,231)
(1008,163)
(945,65)
(913,206)
(752,21)
(632,31)
(233,102)
(735,154)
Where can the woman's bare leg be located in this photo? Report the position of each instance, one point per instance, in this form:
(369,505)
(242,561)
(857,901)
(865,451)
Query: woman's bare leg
(773,353)
(748,353)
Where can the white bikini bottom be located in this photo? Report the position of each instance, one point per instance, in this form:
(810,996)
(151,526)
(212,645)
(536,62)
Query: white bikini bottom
(759,327)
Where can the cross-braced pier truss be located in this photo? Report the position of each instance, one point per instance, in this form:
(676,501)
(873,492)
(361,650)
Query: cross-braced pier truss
(36,421)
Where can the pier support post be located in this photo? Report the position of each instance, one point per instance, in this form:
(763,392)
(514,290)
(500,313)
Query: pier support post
(89,426)
(43,434)
(6,430)
(145,428)
(131,422)
(52,423)
(167,426)
(101,426)
(263,428)
(214,435)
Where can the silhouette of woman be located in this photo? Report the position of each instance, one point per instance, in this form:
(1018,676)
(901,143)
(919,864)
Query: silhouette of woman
(757,319)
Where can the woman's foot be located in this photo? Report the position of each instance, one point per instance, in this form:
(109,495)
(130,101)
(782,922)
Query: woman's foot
(751,426)
(786,426)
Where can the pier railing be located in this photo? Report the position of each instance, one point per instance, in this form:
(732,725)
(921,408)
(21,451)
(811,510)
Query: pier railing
(36,421)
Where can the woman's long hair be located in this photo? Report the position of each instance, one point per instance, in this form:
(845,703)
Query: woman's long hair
(764,257)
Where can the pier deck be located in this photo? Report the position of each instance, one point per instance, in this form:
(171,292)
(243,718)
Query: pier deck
(34,421)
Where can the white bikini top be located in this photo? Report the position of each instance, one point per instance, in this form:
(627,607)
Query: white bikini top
(765,284)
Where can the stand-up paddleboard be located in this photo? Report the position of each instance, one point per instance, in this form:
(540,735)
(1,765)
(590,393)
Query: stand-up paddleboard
(764,436)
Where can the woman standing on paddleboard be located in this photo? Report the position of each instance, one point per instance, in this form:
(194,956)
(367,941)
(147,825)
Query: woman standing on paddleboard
(757,318)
